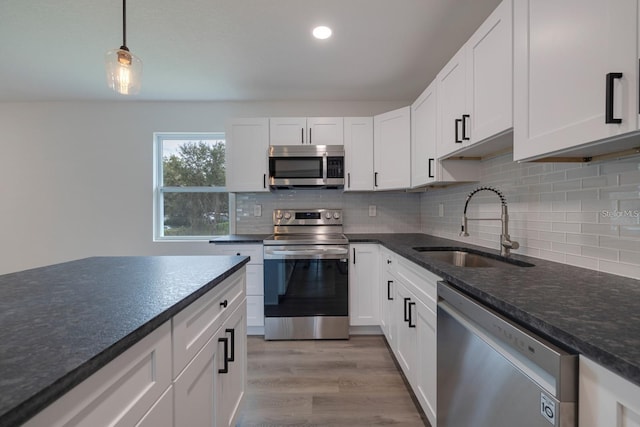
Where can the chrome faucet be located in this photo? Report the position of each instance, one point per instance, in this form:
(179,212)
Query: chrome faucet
(506,244)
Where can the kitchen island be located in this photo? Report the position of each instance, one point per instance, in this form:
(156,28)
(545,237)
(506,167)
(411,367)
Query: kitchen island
(62,323)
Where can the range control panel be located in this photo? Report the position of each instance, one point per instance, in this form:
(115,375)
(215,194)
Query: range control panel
(307,217)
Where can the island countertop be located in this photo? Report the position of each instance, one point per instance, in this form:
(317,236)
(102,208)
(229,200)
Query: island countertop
(59,324)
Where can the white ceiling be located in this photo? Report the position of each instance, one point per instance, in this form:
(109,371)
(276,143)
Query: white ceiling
(233,50)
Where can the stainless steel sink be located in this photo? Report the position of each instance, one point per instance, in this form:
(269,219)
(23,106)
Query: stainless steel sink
(467,258)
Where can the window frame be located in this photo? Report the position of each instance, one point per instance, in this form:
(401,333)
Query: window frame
(159,190)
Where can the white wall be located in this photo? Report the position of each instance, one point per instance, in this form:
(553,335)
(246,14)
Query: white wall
(586,215)
(76,178)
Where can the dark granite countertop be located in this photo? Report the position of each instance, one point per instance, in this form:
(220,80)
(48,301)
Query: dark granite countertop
(585,311)
(240,238)
(60,324)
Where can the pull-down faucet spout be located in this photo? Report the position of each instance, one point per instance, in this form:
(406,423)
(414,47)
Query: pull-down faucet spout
(506,244)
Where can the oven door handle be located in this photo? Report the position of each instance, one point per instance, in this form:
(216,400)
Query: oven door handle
(298,252)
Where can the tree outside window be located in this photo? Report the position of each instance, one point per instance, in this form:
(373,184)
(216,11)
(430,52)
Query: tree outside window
(191,198)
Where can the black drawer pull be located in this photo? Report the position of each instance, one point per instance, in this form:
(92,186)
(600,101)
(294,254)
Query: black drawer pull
(225,370)
(232,357)
(224,304)
(458,140)
(464,127)
(389,282)
(406,311)
(609,98)
(431,168)
(411,325)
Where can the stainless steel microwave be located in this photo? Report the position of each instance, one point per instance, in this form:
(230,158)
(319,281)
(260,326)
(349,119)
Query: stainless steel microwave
(306,166)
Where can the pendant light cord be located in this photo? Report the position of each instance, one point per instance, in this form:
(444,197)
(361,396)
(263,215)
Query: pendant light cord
(124,25)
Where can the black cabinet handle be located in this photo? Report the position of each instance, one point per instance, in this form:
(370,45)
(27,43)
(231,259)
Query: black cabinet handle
(388,261)
(431,168)
(609,107)
(464,127)
(309,135)
(458,140)
(411,325)
(375,179)
(389,282)
(237,253)
(224,304)
(302,136)
(225,370)
(264,180)
(354,256)
(406,313)
(348,179)
(232,357)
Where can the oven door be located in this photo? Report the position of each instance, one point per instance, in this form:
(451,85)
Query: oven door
(306,289)
(297,171)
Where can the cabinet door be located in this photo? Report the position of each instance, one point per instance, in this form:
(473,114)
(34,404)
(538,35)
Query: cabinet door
(325,130)
(231,384)
(121,392)
(606,399)
(161,413)
(424,137)
(247,145)
(392,150)
(288,130)
(489,70)
(364,302)
(406,347)
(426,384)
(255,310)
(195,389)
(358,153)
(387,314)
(560,72)
(452,126)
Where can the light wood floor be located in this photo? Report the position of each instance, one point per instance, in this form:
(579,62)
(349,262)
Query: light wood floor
(325,383)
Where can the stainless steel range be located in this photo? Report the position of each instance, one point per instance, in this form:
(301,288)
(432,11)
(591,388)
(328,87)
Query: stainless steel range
(306,276)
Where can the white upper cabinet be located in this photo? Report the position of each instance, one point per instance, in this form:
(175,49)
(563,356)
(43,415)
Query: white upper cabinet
(424,137)
(425,167)
(392,148)
(247,144)
(475,88)
(358,153)
(301,130)
(576,78)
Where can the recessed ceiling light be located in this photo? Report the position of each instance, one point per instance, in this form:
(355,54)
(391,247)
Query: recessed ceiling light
(322,32)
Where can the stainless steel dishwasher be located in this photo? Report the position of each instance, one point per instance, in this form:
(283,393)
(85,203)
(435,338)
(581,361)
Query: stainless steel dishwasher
(493,373)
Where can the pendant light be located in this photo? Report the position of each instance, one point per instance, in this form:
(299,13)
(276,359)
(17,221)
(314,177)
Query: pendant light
(124,69)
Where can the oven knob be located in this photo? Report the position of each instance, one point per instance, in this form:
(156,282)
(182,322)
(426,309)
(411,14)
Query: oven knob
(278,215)
(327,215)
(287,215)
(336,215)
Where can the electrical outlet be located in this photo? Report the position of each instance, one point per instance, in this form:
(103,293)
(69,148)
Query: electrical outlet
(440,209)
(372,210)
(257,210)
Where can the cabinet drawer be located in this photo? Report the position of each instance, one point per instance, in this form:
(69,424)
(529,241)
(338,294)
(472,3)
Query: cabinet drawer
(421,281)
(196,324)
(253,251)
(120,393)
(255,280)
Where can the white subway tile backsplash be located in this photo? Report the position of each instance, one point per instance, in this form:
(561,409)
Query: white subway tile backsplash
(582,239)
(600,253)
(630,257)
(585,212)
(566,226)
(619,268)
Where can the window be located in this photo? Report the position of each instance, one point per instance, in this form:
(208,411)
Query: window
(190,200)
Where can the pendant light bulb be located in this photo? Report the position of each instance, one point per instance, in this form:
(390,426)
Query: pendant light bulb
(124,69)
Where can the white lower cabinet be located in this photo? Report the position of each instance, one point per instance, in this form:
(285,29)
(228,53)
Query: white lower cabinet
(255,281)
(173,377)
(408,320)
(364,299)
(605,398)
